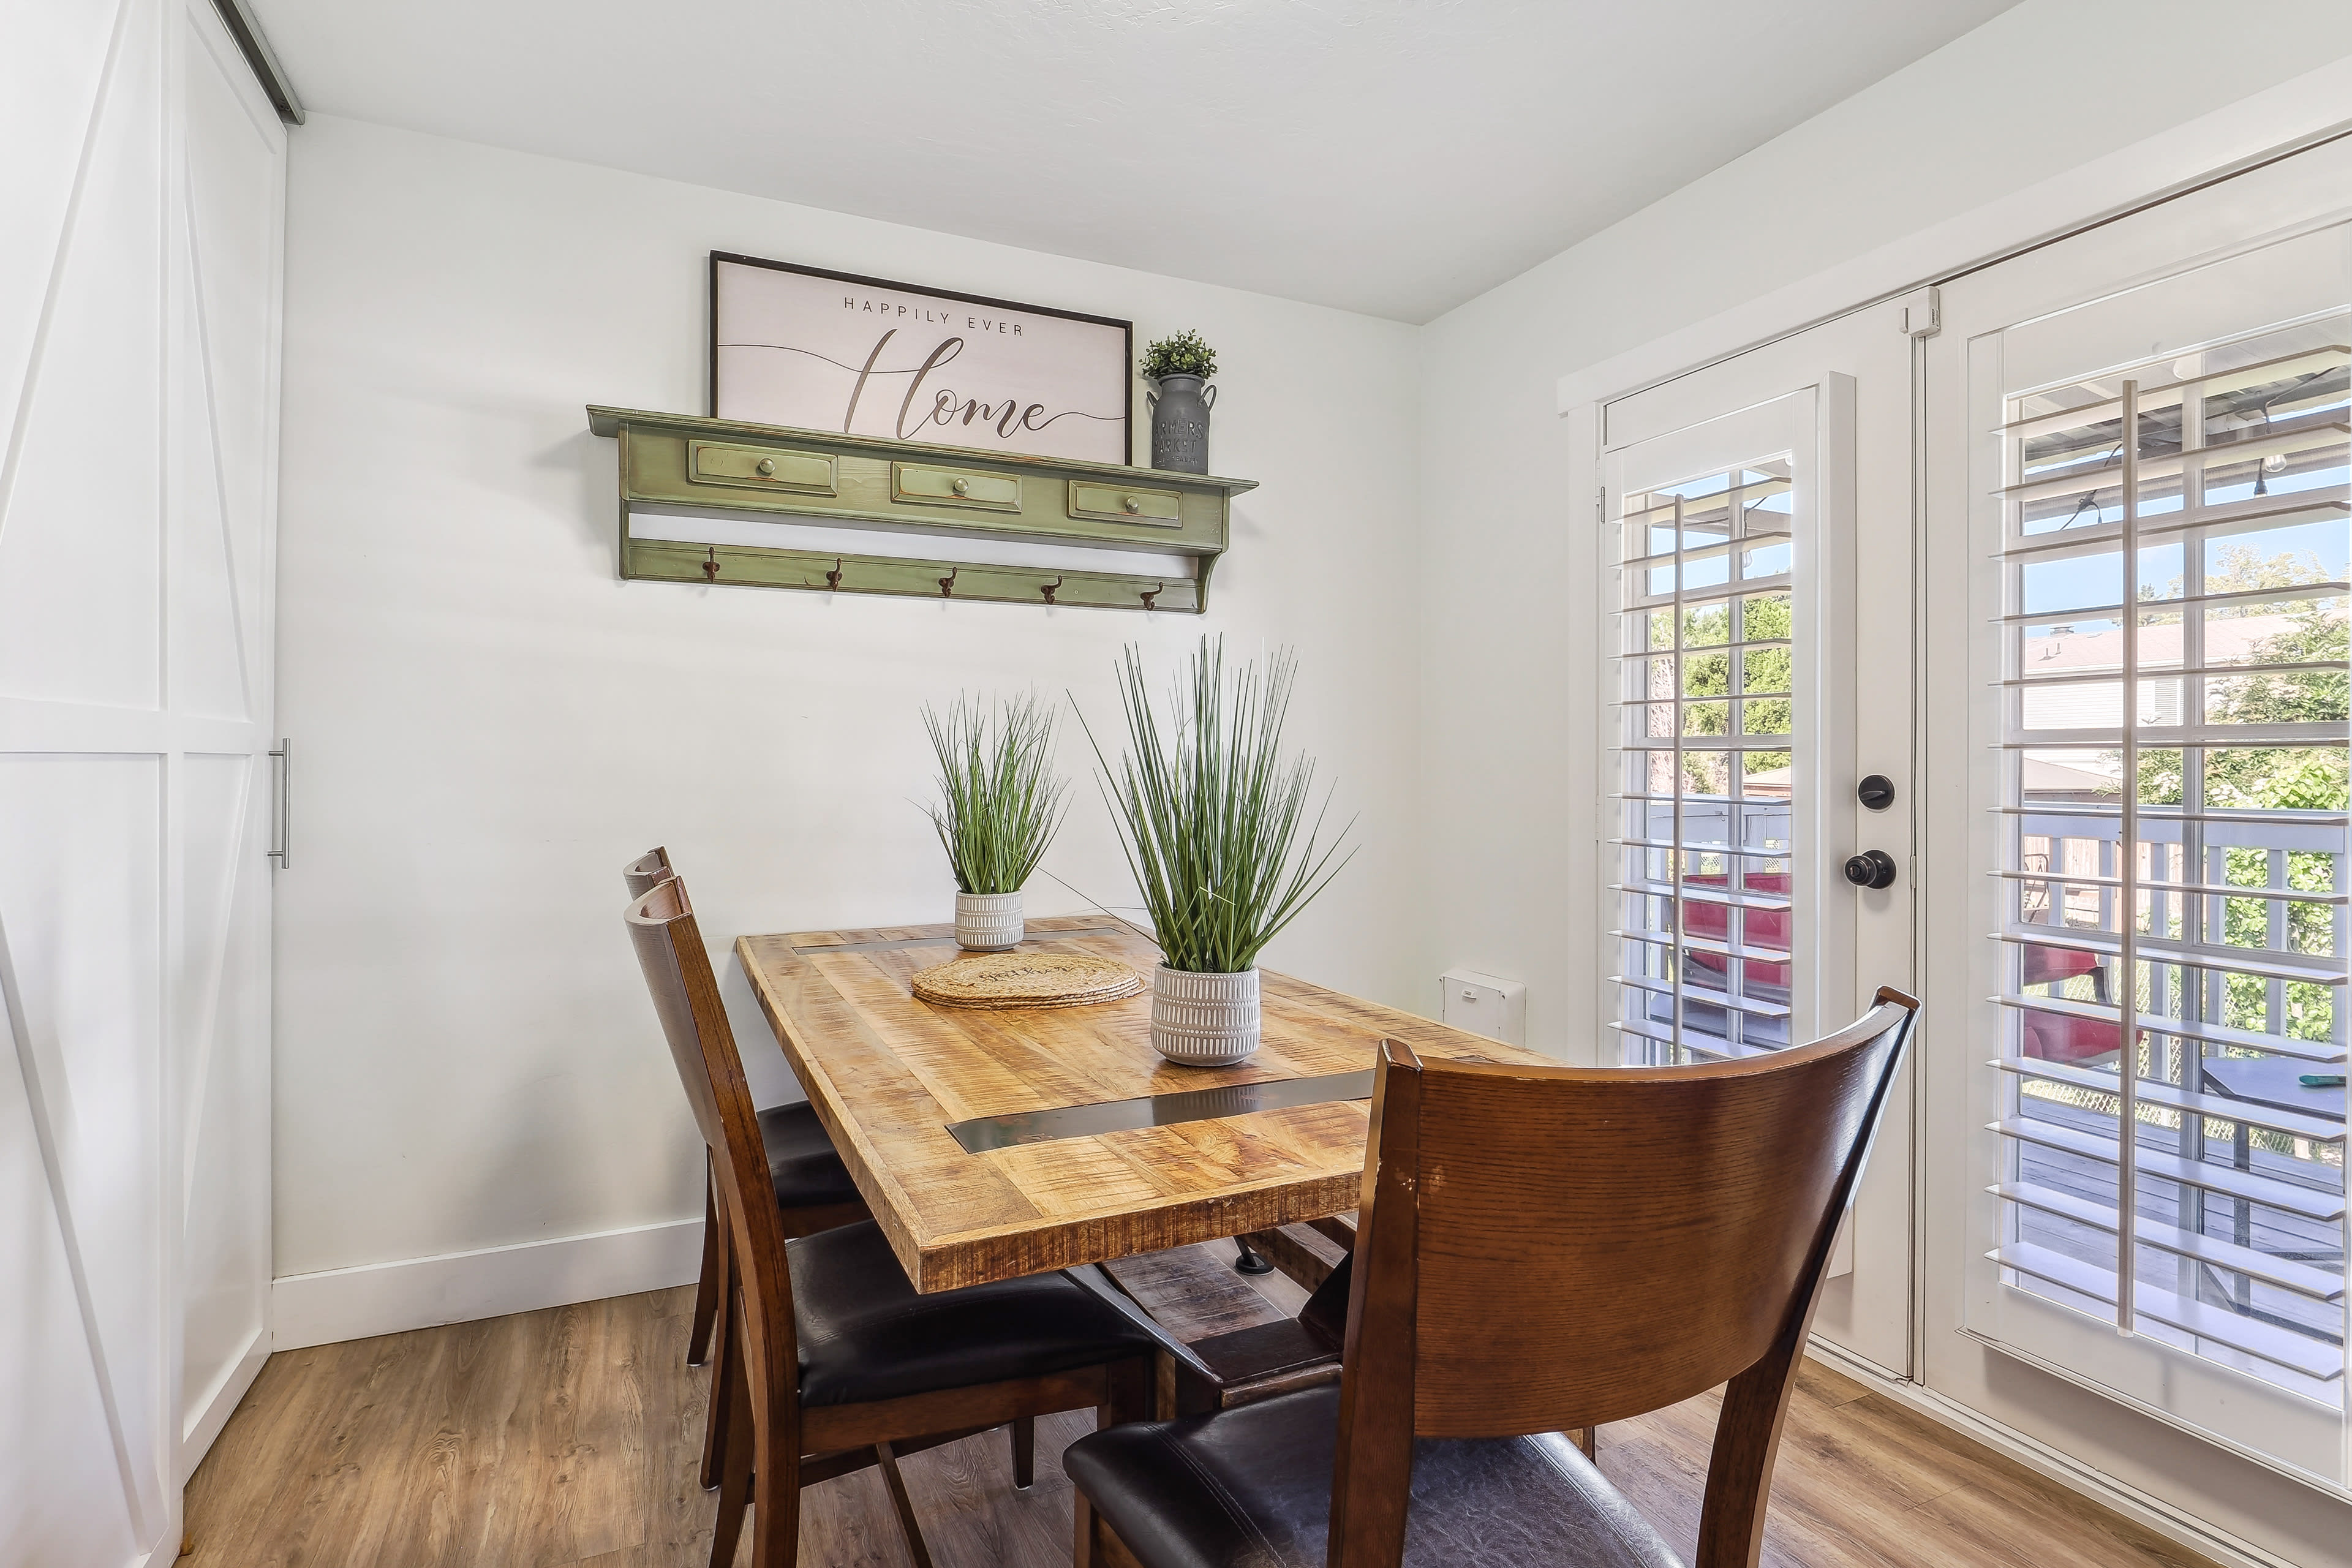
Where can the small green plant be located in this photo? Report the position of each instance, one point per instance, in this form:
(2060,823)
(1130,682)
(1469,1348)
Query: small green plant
(1183,354)
(1209,811)
(1000,805)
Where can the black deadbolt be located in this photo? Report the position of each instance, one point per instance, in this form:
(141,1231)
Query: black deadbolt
(1876,791)
(1871,869)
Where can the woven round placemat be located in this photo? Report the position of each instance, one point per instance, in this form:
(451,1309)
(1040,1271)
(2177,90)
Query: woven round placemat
(1009,980)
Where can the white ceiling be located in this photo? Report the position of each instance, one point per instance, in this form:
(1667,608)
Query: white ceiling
(1392,158)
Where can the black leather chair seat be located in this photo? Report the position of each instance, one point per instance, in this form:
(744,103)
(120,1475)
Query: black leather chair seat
(865,1333)
(807,1173)
(1251,1488)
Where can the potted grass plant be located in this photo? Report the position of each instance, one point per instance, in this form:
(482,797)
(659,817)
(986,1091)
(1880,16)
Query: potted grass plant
(1213,818)
(1000,806)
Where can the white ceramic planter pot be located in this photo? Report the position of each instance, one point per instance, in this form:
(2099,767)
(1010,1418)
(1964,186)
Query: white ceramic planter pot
(1204,1020)
(987,922)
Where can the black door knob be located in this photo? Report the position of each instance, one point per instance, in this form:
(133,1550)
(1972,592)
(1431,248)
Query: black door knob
(1871,869)
(1876,791)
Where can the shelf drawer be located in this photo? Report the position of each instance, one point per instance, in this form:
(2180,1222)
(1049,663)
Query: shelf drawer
(760,468)
(1122,503)
(926,485)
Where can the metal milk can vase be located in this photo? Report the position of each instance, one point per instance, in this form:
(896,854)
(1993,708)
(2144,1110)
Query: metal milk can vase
(1179,423)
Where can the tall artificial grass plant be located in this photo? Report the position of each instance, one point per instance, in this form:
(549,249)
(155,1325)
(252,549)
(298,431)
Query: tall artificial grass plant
(1000,803)
(1211,812)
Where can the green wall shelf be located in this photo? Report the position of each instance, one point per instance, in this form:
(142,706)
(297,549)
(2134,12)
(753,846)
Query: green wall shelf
(678,465)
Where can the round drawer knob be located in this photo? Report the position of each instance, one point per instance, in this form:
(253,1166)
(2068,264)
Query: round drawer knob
(962,486)
(1129,505)
(765,467)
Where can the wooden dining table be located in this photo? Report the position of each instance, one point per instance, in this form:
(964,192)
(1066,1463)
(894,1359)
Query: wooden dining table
(991,1144)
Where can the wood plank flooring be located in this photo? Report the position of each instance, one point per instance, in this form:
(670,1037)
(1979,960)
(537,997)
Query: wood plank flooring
(567,1438)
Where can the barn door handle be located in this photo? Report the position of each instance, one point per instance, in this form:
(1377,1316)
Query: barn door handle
(282,850)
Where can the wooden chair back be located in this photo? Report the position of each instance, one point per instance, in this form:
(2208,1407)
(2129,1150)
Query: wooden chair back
(647,871)
(686,997)
(1544,1249)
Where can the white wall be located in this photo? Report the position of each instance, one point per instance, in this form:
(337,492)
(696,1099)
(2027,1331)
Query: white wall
(487,722)
(2003,135)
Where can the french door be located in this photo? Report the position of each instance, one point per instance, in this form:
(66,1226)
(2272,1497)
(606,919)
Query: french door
(1756,531)
(2143,508)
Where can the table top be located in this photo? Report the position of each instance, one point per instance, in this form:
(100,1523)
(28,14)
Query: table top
(890,1075)
(2275,1081)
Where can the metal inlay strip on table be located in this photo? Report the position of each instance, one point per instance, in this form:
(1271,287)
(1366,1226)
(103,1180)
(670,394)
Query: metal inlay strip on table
(985,1133)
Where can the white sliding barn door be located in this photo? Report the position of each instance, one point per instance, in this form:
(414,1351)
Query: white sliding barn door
(139,306)
(224,656)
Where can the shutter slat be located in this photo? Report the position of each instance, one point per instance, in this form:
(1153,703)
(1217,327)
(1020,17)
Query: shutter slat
(2282,1347)
(2326,1051)
(2156,1092)
(2308,1203)
(2283,1272)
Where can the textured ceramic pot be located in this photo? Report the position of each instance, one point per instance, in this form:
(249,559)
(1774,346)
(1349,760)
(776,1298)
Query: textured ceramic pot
(1204,1020)
(1179,423)
(987,922)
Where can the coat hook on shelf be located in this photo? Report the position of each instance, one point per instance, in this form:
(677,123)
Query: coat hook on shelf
(832,578)
(1048,589)
(947,584)
(1152,593)
(710,564)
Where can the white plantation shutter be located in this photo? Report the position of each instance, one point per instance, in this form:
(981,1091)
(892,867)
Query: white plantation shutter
(1706,663)
(2173,811)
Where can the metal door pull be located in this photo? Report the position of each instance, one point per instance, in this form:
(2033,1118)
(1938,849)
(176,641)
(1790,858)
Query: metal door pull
(282,850)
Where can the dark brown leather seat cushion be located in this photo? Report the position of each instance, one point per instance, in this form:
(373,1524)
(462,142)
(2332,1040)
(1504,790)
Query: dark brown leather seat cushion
(1251,1488)
(865,1333)
(807,1173)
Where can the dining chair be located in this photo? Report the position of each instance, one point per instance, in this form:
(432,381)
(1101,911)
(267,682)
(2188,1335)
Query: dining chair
(814,1189)
(1539,1249)
(832,1360)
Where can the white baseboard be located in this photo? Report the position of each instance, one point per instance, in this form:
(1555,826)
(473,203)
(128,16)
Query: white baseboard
(461,1287)
(2116,1496)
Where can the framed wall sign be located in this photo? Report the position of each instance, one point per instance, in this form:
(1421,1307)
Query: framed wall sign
(831,351)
